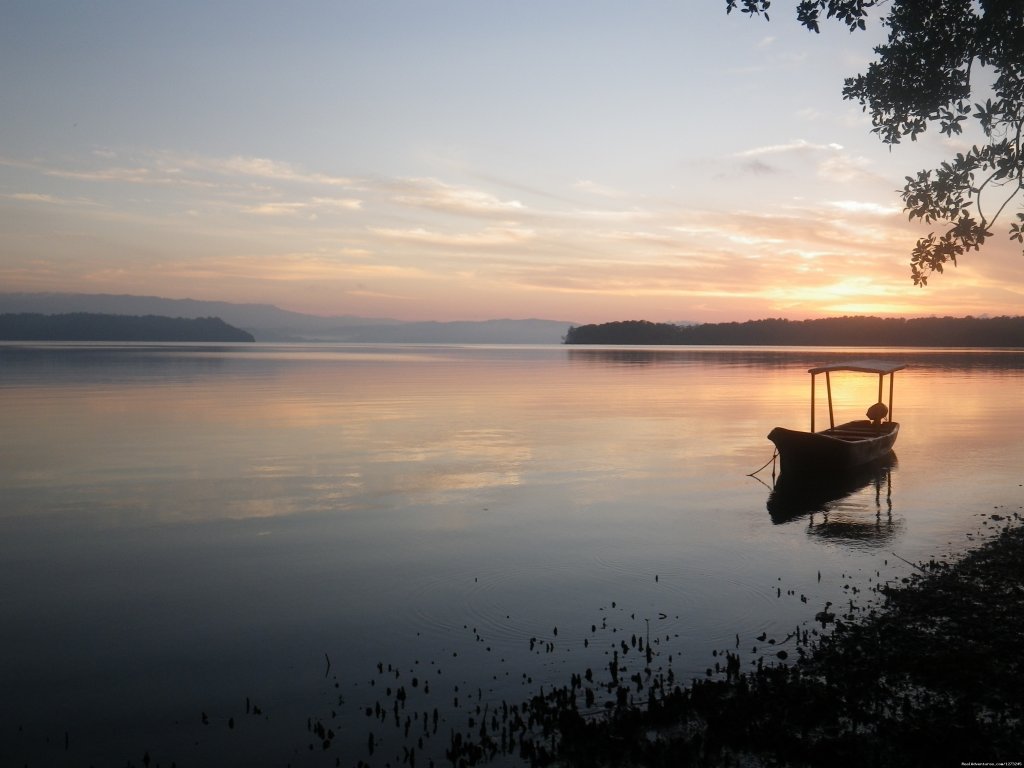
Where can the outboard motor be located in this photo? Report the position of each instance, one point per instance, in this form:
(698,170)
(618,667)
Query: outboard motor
(877,412)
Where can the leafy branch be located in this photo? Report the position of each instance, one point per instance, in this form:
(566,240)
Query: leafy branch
(924,75)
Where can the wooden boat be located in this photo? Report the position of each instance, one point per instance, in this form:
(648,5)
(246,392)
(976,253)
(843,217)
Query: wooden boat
(835,450)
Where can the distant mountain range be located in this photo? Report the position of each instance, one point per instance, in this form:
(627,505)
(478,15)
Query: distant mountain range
(268,323)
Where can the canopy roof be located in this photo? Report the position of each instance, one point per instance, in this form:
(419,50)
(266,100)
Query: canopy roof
(860,366)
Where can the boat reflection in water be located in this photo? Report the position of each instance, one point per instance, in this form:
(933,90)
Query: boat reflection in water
(839,508)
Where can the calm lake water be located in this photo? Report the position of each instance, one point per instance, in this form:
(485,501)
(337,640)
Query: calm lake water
(205,549)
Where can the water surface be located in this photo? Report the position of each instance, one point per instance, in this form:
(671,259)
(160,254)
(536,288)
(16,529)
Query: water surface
(185,530)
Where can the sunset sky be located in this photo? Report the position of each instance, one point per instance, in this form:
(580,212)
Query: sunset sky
(575,160)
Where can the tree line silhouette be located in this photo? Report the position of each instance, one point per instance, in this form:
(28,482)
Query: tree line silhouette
(86,326)
(833,331)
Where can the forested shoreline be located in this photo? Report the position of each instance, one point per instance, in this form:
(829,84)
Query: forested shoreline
(85,326)
(833,331)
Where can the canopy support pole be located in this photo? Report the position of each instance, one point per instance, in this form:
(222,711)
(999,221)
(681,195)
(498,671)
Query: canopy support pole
(828,385)
(814,377)
(891,377)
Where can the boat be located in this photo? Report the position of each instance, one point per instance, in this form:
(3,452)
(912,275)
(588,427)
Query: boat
(831,452)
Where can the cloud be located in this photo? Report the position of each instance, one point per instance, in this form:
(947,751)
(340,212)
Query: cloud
(296,267)
(368,294)
(844,168)
(307,207)
(833,162)
(182,169)
(356,253)
(759,167)
(276,209)
(799,145)
(123,175)
(641,237)
(740,239)
(593,188)
(632,214)
(36,197)
(708,274)
(788,238)
(858,206)
(491,236)
(346,203)
(438,196)
(259,167)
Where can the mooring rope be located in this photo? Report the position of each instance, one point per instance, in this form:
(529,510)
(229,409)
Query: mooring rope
(763,466)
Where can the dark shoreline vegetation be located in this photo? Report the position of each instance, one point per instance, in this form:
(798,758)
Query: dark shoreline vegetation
(87,326)
(833,331)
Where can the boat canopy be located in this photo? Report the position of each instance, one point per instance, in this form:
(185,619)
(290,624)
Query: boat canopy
(881,367)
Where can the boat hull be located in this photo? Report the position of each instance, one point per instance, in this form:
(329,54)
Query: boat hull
(833,451)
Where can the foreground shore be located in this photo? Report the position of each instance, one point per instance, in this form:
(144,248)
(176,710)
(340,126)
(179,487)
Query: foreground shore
(932,677)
